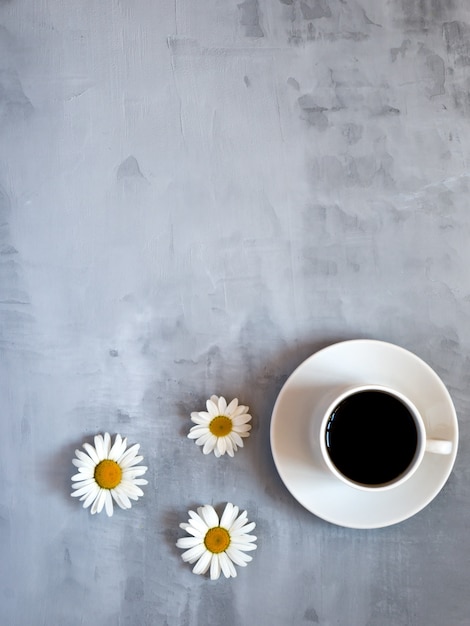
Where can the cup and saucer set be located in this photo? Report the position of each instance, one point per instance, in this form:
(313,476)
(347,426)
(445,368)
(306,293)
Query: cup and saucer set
(364,434)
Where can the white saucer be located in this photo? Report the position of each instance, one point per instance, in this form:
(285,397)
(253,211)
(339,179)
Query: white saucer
(360,361)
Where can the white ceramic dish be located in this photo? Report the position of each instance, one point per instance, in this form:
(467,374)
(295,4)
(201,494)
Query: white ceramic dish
(360,361)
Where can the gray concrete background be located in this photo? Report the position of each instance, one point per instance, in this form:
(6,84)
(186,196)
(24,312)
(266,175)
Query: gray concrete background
(194,197)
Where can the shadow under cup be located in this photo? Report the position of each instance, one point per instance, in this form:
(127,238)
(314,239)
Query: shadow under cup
(372,438)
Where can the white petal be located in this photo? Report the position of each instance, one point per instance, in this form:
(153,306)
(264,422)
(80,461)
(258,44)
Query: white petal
(117,498)
(80,492)
(215,567)
(118,448)
(198,522)
(193,531)
(222,405)
(87,470)
(238,557)
(109,503)
(131,490)
(188,542)
(217,452)
(241,419)
(121,498)
(231,407)
(243,539)
(197,431)
(123,449)
(242,428)
(204,438)
(130,462)
(133,472)
(98,504)
(199,427)
(209,515)
(131,486)
(85,458)
(91,496)
(241,410)
(210,444)
(244,547)
(82,464)
(140,481)
(222,445)
(91,452)
(84,483)
(107,444)
(244,530)
(236,439)
(229,515)
(130,453)
(203,564)
(99,447)
(212,408)
(82,476)
(229,444)
(239,522)
(227,566)
(193,554)
(201,418)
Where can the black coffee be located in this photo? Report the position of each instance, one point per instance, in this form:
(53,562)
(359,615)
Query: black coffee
(371,437)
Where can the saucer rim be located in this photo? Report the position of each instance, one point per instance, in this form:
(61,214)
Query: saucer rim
(390,519)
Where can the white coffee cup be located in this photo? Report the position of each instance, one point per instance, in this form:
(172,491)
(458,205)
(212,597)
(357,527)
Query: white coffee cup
(371,431)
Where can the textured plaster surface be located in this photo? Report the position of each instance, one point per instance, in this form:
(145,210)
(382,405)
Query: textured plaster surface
(194,197)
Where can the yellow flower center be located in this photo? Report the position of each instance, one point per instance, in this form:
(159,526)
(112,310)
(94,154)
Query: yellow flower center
(221,426)
(217,539)
(108,474)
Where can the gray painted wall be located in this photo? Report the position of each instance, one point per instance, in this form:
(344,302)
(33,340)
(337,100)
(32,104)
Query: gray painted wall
(194,197)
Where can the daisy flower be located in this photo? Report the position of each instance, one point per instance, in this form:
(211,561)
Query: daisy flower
(108,472)
(221,428)
(217,545)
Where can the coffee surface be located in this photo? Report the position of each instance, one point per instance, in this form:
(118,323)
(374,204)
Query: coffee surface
(371,437)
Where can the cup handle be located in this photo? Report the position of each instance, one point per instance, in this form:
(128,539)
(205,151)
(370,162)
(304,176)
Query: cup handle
(439,446)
